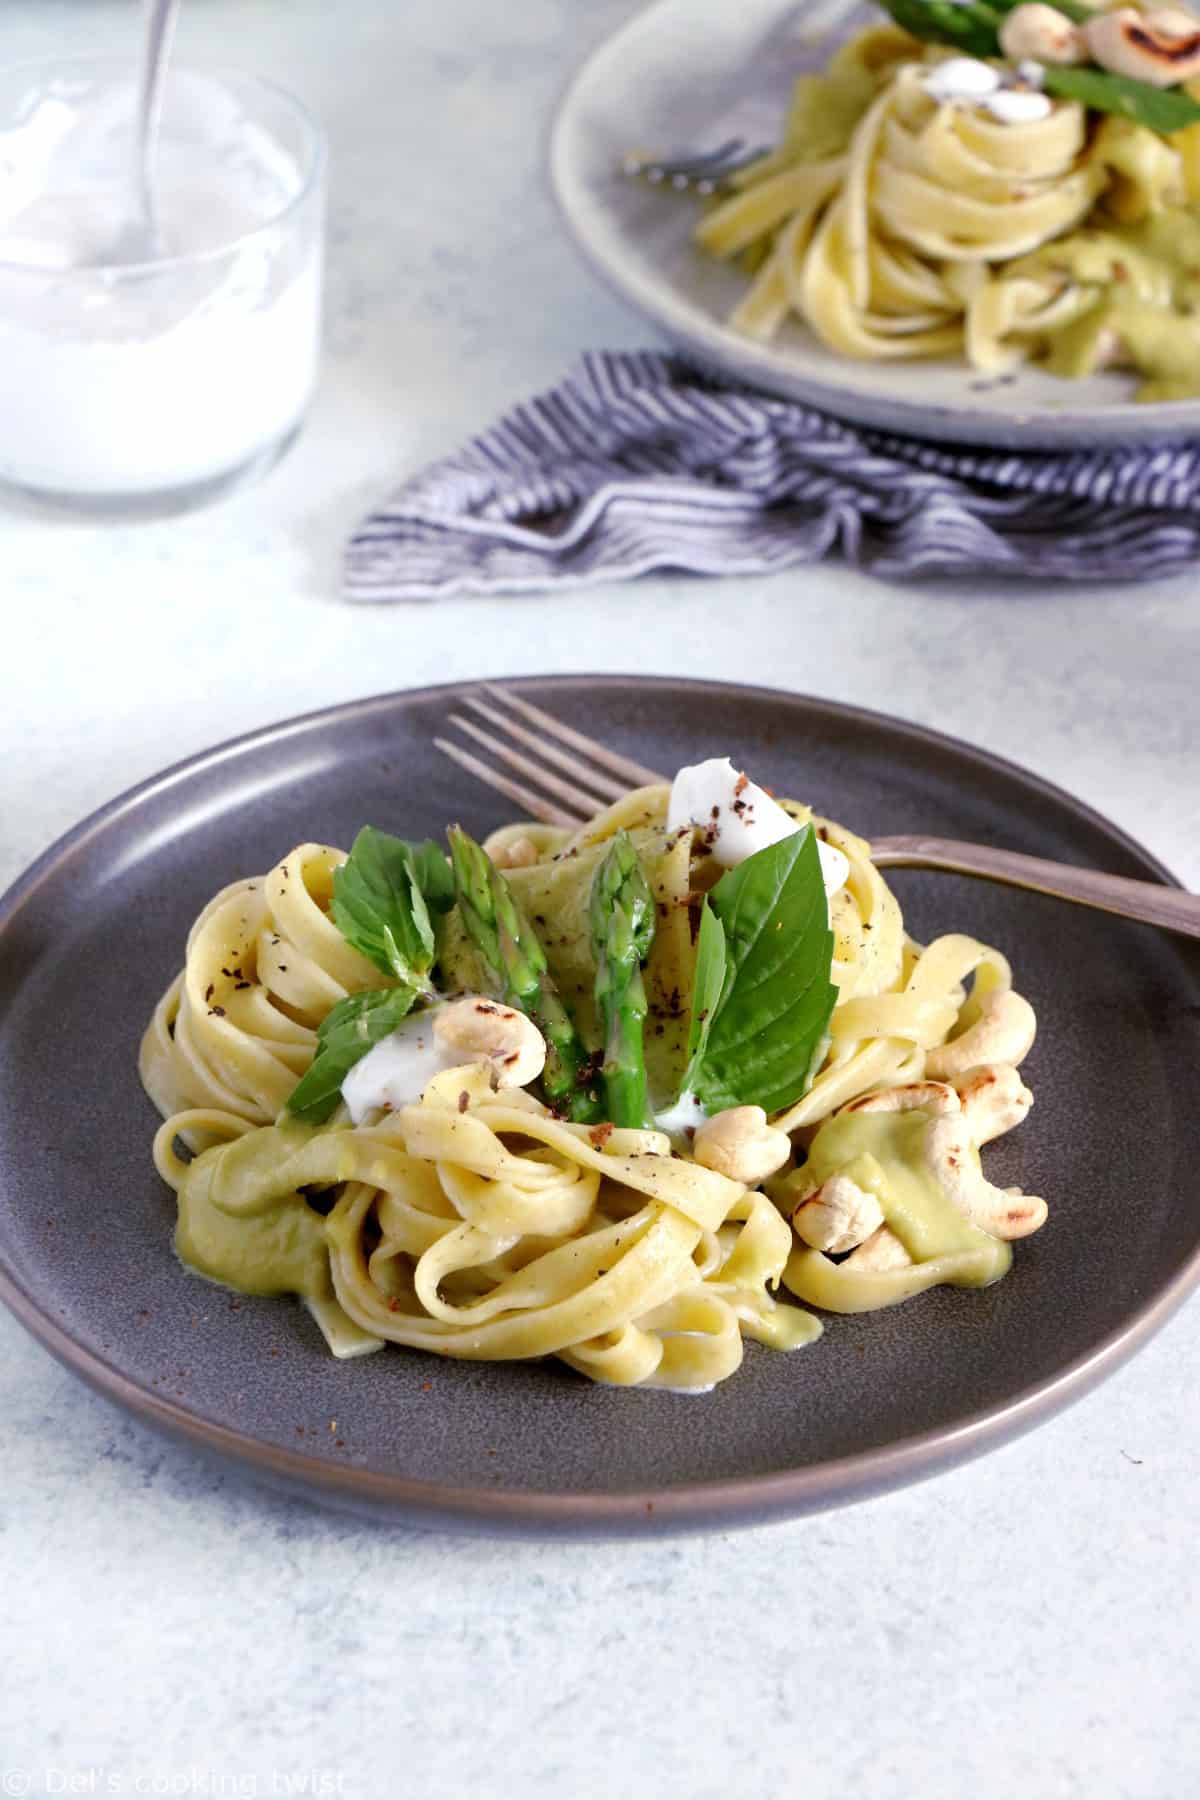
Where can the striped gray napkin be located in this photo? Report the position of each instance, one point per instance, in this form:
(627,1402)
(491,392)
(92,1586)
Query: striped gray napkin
(638,462)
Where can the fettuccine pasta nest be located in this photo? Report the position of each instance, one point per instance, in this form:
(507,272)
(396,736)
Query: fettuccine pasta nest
(896,224)
(474,1223)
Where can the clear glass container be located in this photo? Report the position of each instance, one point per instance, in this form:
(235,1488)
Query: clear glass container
(155,385)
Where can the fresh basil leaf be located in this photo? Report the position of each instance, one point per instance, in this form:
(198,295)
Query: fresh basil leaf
(1162,109)
(708,984)
(760,1045)
(435,877)
(344,1036)
(381,899)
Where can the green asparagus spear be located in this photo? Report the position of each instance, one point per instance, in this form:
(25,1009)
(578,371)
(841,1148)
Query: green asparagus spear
(971,28)
(621,914)
(517,970)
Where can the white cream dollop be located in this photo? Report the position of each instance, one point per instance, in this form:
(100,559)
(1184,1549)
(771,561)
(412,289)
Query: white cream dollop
(1019,106)
(738,818)
(967,79)
(684,1116)
(961,78)
(396,1071)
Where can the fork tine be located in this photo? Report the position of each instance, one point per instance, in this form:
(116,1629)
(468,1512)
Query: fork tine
(607,787)
(535,806)
(635,773)
(704,171)
(571,796)
(698,162)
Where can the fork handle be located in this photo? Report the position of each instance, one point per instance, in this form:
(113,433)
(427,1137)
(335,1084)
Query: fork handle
(1171,908)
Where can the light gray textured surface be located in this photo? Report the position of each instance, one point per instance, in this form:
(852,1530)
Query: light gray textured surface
(1023,1626)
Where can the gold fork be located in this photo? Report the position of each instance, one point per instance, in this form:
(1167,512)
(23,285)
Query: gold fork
(568,777)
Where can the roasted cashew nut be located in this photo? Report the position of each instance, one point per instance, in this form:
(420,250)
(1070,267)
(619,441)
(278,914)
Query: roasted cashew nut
(1161,48)
(933,1097)
(739,1143)
(1042,34)
(993,1099)
(479,1030)
(521,853)
(881,1251)
(1003,1033)
(838,1216)
(953,1163)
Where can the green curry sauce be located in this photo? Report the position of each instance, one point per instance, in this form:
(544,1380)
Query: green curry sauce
(1141,283)
(884,1154)
(277,1244)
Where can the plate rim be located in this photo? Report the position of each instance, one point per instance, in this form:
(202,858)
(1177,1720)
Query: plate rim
(743,1500)
(712,346)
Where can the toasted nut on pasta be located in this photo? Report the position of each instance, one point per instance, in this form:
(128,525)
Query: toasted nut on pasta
(933,1097)
(739,1143)
(477,1029)
(1109,350)
(522,853)
(882,1250)
(994,1099)
(1001,1212)
(838,1216)
(1043,34)
(988,1100)
(991,1097)
(1161,48)
(1003,1033)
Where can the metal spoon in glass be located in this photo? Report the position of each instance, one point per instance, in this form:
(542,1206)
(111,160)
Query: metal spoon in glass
(141,239)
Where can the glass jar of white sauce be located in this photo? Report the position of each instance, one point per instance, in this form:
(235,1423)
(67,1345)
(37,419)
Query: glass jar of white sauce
(155,385)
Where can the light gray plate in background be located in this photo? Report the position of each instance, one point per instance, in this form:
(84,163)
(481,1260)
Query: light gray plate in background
(690,73)
(91,935)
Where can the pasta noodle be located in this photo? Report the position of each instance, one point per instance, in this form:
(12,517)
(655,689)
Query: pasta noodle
(237,1028)
(473,1222)
(897,224)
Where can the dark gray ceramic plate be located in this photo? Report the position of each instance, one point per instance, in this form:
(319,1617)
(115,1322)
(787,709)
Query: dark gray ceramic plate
(90,936)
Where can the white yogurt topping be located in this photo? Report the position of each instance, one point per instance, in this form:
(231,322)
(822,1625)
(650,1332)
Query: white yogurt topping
(1019,106)
(961,78)
(965,78)
(739,818)
(398,1069)
(685,1115)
